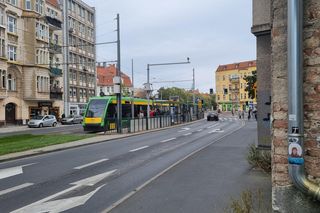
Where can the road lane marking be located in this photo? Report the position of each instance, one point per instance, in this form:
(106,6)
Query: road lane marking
(137,149)
(90,164)
(209,127)
(167,140)
(9,172)
(15,188)
(44,206)
(62,204)
(216,131)
(184,129)
(187,134)
(199,130)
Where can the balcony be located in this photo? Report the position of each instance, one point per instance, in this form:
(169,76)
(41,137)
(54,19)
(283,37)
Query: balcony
(56,93)
(55,48)
(55,72)
(54,23)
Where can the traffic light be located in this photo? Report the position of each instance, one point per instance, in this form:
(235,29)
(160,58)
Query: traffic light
(211,91)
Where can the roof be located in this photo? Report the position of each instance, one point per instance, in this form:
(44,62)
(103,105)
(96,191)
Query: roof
(54,3)
(239,65)
(105,76)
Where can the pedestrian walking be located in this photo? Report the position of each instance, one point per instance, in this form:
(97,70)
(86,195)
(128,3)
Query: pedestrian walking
(242,114)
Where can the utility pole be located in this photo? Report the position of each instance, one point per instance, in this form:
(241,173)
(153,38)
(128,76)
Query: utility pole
(119,105)
(66,58)
(193,89)
(132,92)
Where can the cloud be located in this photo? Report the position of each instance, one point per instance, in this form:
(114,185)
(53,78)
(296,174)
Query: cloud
(210,32)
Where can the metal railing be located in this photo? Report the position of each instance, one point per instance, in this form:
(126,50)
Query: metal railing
(132,125)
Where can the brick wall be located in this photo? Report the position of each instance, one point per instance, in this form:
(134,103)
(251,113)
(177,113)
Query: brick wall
(280,92)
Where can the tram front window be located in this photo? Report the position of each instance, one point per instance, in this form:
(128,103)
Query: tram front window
(96,108)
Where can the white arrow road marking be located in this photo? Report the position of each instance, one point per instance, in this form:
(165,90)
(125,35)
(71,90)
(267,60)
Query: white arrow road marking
(137,149)
(91,181)
(61,205)
(84,182)
(6,191)
(17,170)
(184,129)
(216,130)
(187,134)
(170,139)
(91,164)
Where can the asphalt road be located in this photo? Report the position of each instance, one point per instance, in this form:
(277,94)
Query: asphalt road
(95,178)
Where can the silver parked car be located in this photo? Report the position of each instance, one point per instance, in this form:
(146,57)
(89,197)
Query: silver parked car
(72,119)
(41,121)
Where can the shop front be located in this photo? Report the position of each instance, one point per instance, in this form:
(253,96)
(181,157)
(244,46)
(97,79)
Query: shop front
(44,108)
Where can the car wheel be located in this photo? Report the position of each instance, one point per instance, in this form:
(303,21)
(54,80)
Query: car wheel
(54,124)
(41,125)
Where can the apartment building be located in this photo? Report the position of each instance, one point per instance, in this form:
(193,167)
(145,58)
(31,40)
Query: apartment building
(81,55)
(31,78)
(230,86)
(105,80)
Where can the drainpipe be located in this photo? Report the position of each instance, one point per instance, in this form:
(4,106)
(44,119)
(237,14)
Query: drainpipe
(295,101)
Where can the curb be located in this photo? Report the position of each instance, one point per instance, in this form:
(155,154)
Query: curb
(80,143)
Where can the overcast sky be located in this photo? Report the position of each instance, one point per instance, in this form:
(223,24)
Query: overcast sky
(210,32)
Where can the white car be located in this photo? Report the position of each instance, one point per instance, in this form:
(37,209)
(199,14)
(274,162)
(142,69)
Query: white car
(41,121)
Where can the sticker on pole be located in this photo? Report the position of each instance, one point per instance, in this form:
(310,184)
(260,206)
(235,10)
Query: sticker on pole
(292,117)
(295,154)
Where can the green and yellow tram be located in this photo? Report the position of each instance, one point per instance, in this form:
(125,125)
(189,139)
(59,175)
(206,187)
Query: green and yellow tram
(101,111)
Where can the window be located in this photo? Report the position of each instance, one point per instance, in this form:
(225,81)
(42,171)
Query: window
(42,31)
(11,83)
(12,24)
(43,84)
(12,53)
(3,79)
(28,4)
(39,6)
(245,95)
(13,2)
(2,13)
(2,44)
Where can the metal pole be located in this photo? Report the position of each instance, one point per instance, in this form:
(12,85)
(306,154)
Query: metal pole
(295,100)
(193,89)
(66,58)
(148,90)
(132,92)
(119,104)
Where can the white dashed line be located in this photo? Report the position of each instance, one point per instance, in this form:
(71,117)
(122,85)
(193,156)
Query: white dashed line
(90,164)
(167,140)
(199,130)
(137,149)
(6,191)
(187,134)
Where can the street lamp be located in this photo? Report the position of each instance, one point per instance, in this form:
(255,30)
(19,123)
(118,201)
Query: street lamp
(148,85)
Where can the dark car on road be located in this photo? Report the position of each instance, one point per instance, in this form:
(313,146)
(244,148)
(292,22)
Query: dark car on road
(72,119)
(212,116)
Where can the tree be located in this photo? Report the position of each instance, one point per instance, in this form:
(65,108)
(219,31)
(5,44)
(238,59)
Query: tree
(251,84)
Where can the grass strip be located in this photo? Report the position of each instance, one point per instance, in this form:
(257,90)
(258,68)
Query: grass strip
(18,143)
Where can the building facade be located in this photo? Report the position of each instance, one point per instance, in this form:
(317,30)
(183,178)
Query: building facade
(31,78)
(81,56)
(105,81)
(285,196)
(230,86)
(261,28)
